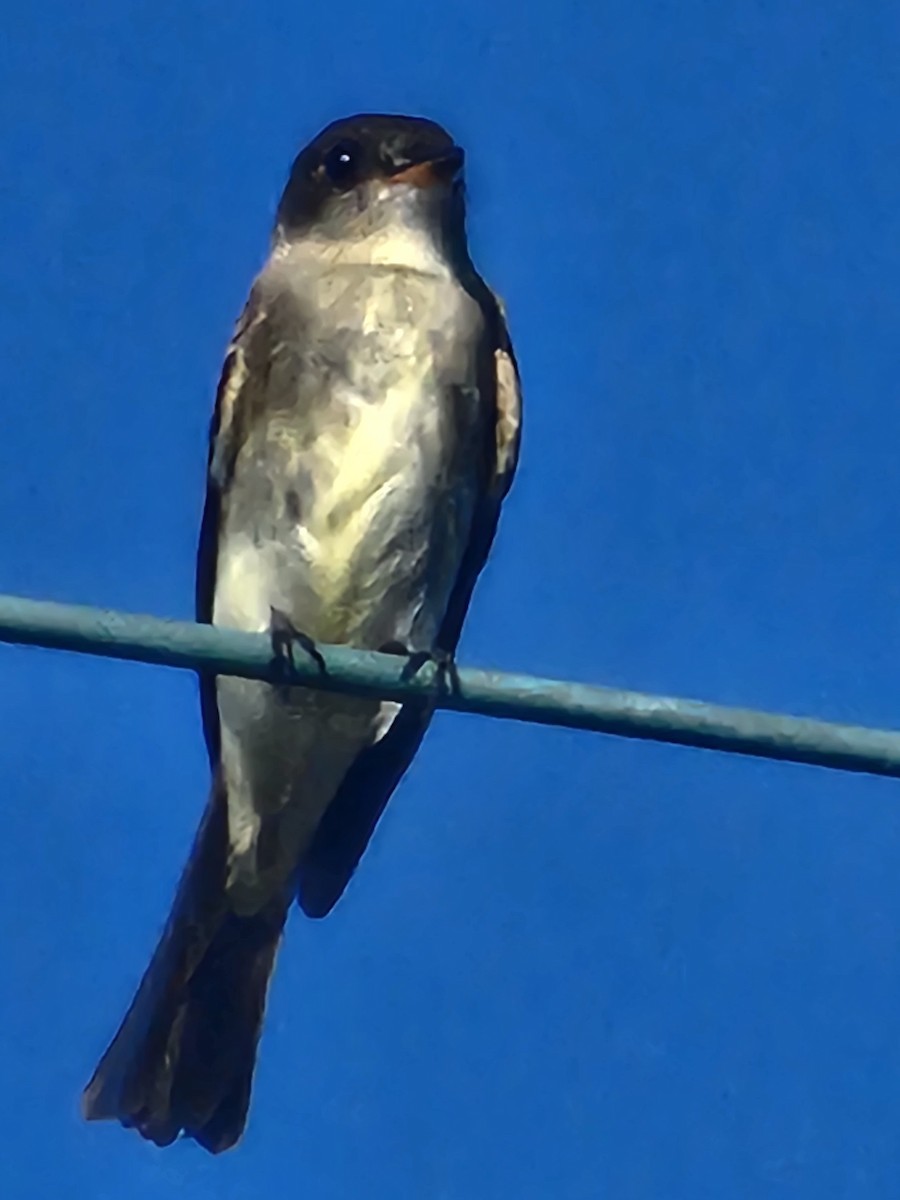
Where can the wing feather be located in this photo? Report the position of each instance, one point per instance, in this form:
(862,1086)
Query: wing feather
(241,386)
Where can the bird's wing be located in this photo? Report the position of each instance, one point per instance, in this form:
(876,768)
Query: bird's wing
(241,390)
(502,452)
(350,819)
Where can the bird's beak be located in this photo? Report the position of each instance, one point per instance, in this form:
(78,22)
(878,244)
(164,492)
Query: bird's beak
(430,172)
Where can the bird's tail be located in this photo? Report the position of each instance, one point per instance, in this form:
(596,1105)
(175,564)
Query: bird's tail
(184,1055)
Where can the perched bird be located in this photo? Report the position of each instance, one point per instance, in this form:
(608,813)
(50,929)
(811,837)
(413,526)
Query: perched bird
(366,430)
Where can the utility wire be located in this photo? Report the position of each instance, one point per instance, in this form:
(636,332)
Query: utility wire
(221,651)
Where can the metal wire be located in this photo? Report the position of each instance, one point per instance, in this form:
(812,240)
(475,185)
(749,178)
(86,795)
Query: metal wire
(221,651)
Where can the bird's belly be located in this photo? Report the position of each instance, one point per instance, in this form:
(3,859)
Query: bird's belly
(360,542)
(363,532)
(351,500)
(348,510)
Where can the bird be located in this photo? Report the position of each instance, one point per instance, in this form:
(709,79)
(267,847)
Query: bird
(366,431)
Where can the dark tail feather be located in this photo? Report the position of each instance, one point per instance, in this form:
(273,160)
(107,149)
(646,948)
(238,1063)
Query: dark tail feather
(184,1055)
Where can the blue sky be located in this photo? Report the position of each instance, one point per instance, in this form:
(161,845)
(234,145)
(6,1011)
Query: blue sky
(569,966)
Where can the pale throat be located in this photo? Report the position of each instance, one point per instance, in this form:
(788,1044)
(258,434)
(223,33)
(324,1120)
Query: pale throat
(398,229)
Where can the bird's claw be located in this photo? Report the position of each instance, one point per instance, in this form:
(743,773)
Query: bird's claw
(446,674)
(285,636)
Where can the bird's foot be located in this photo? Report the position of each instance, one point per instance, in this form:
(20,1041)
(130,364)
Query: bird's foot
(446,675)
(285,636)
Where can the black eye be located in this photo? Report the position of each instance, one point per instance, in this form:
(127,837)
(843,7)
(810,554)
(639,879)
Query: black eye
(343,162)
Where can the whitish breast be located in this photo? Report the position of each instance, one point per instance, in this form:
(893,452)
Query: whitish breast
(355,490)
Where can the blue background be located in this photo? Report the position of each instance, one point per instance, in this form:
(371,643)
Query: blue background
(570,966)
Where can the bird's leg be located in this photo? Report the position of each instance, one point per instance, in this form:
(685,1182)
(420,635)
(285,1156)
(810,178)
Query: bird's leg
(447,677)
(285,635)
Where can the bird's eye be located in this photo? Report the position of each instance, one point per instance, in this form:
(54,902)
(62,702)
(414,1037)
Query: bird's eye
(342,163)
